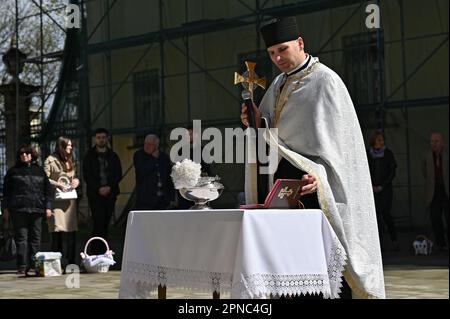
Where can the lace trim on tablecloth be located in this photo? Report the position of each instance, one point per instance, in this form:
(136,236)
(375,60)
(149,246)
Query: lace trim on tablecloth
(265,285)
(138,280)
(144,277)
(336,261)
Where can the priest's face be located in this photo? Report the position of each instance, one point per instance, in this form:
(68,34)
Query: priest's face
(288,55)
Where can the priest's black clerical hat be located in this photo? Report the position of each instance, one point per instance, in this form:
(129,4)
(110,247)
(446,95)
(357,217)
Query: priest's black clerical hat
(280,30)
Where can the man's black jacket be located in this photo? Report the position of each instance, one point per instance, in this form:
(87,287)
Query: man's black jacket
(91,172)
(147,167)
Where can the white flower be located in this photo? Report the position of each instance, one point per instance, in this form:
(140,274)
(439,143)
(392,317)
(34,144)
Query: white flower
(186,174)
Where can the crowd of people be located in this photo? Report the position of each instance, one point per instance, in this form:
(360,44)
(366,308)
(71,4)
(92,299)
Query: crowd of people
(32,192)
(383,165)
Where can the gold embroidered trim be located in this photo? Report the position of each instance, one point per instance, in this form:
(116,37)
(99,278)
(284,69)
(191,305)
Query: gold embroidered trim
(283,96)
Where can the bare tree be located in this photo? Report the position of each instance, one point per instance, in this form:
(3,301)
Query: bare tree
(40,25)
(38,31)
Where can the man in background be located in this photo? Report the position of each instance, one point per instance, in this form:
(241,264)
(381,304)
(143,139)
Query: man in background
(154,186)
(102,173)
(435,172)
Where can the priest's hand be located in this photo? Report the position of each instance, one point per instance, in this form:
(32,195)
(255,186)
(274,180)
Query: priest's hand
(256,112)
(311,184)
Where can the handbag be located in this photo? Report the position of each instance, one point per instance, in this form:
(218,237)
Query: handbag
(61,195)
(8,248)
(64,195)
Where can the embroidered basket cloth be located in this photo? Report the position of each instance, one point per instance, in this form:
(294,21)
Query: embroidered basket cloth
(97,263)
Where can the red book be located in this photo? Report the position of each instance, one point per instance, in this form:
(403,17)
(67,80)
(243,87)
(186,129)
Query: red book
(285,193)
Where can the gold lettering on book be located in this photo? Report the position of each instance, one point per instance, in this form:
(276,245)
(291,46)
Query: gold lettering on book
(286,191)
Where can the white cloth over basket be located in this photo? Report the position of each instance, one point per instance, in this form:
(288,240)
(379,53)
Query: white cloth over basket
(48,264)
(97,263)
(47,255)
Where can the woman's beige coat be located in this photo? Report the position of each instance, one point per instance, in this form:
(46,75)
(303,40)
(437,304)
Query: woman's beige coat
(64,217)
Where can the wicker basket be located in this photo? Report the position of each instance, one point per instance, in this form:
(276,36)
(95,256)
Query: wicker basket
(97,263)
(422,245)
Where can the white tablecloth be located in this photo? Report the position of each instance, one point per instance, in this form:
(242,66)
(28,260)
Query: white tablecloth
(251,253)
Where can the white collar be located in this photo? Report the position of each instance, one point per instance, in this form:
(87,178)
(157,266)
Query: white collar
(299,66)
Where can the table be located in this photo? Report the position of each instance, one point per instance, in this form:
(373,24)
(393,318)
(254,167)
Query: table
(249,253)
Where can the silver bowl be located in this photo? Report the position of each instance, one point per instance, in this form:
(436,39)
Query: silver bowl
(202,195)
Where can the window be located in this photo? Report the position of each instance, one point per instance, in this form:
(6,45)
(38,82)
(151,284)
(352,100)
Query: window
(363,58)
(146,92)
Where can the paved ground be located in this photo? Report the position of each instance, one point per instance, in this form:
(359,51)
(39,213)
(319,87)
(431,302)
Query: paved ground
(402,282)
(412,282)
(406,276)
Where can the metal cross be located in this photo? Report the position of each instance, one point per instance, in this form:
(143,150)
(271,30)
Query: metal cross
(249,79)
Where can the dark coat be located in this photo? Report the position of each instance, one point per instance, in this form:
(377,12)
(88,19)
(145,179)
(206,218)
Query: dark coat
(146,169)
(382,170)
(91,172)
(26,189)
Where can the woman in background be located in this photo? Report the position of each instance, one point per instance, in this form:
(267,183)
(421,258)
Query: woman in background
(63,225)
(28,197)
(382,166)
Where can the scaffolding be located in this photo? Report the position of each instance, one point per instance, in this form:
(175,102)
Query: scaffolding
(43,19)
(71,111)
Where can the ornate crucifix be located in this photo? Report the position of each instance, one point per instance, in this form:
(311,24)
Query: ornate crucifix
(249,79)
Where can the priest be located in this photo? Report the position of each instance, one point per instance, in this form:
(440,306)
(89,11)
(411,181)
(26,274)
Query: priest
(320,141)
